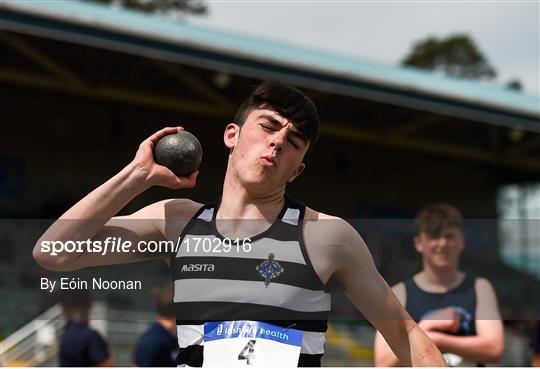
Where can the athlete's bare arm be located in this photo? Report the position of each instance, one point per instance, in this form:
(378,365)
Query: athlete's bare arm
(339,255)
(383,354)
(485,347)
(92,217)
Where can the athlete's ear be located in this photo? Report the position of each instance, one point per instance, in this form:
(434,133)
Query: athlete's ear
(297,172)
(230,136)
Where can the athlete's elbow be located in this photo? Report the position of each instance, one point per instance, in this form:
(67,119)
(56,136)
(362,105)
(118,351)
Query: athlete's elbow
(48,262)
(41,258)
(55,263)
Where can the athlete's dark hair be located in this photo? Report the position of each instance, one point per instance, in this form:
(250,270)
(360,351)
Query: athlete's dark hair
(433,218)
(287,101)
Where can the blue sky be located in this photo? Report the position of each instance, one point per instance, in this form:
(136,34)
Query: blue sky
(507,32)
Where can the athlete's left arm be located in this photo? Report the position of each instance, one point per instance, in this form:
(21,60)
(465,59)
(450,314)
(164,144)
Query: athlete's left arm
(488,344)
(356,272)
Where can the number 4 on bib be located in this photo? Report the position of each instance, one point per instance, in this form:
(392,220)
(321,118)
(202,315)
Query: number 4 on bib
(247,352)
(232,344)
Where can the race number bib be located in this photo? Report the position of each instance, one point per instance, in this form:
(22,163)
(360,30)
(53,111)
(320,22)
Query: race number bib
(249,343)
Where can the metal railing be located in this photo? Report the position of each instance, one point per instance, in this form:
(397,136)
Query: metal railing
(35,343)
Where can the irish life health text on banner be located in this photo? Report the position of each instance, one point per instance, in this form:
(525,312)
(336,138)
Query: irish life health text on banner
(251,344)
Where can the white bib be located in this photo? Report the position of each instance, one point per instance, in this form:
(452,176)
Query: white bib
(248,343)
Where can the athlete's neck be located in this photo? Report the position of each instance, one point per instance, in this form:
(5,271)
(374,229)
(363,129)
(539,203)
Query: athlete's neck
(237,202)
(243,214)
(439,280)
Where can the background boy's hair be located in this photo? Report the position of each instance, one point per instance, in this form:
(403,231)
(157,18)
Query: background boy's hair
(433,218)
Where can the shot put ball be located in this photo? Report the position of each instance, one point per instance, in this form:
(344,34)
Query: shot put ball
(180,152)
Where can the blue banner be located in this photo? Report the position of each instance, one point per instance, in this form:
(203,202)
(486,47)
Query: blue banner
(252,329)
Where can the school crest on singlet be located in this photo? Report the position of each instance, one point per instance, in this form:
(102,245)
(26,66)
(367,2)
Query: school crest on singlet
(269,269)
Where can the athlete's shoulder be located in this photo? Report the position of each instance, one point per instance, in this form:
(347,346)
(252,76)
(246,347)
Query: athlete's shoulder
(329,223)
(330,230)
(312,215)
(181,209)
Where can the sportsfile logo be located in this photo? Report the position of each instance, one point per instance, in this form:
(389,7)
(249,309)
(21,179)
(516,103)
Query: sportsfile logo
(198,268)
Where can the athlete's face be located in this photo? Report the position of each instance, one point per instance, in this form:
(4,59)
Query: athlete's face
(267,151)
(442,250)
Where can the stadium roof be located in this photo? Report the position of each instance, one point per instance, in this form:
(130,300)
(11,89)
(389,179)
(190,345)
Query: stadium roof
(156,37)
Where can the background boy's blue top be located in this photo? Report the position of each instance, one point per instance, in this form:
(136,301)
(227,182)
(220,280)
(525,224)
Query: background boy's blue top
(156,347)
(82,346)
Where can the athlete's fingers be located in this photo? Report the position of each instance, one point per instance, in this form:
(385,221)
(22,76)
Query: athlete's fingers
(163,132)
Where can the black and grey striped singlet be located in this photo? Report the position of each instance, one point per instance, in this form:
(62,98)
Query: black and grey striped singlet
(228,286)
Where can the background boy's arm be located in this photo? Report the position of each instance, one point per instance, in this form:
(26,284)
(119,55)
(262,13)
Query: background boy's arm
(488,343)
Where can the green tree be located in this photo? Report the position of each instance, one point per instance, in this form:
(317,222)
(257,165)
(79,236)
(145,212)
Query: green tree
(456,55)
(186,6)
(515,85)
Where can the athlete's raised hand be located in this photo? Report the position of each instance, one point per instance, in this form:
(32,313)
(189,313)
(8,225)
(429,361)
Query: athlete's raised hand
(155,174)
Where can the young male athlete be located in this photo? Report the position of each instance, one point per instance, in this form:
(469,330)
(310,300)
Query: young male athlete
(253,272)
(457,311)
